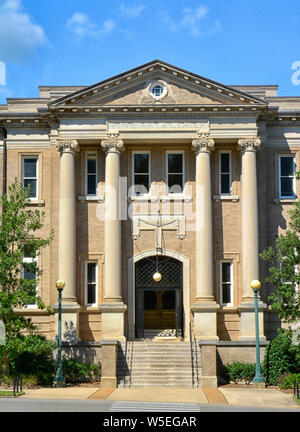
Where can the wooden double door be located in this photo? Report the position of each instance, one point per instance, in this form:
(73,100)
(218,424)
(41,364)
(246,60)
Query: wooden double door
(159,309)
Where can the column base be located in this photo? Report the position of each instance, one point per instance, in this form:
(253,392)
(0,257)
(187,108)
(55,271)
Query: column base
(112,321)
(205,320)
(208,351)
(70,322)
(109,353)
(247,321)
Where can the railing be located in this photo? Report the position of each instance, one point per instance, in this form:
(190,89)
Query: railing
(296,390)
(18,384)
(125,354)
(197,361)
(192,356)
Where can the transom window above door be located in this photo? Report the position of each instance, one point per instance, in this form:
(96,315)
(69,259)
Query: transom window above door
(141,173)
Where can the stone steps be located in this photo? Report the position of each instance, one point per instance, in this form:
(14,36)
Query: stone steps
(159,363)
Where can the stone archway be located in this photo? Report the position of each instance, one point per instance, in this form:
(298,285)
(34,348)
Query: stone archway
(185,289)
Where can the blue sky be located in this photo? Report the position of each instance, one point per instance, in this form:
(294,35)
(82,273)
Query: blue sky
(75,42)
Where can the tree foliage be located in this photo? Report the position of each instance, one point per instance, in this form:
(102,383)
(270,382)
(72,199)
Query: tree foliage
(20,237)
(284,270)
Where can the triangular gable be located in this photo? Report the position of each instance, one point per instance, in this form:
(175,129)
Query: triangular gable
(132,88)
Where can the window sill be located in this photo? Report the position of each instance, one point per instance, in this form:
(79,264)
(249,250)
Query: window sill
(35,202)
(142,198)
(284,200)
(233,198)
(90,198)
(185,198)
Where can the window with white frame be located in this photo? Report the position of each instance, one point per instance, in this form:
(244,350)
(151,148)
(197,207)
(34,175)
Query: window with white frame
(141,173)
(287,182)
(91,173)
(91,284)
(29,273)
(225,176)
(30,175)
(226,283)
(175,172)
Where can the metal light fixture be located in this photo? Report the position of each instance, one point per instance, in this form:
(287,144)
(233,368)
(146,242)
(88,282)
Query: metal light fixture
(59,380)
(157,276)
(258,380)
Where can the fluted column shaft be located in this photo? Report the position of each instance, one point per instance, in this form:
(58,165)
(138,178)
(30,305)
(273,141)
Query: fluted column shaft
(250,244)
(112,230)
(67,218)
(204,229)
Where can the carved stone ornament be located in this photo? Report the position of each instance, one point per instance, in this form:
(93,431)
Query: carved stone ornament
(249,143)
(159,223)
(112,144)
(203,144)
(67,146)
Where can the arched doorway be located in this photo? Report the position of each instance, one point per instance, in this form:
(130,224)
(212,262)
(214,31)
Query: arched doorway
(159,304)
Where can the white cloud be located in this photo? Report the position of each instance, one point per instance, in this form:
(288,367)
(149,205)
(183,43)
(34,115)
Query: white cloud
(19,35)
(133,11)
(193,21)
(81,26)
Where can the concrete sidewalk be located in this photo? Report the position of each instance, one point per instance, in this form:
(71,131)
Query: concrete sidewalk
(270,398)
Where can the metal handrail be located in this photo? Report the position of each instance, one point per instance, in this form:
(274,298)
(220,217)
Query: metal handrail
(197,362)
(125,354)
(192,356)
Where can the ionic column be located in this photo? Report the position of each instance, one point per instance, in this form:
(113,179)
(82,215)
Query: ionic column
(67,234)
(204,308)
(113,307)
(250,237)
(250,247)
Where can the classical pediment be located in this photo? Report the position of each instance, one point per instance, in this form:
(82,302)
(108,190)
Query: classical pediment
(157,83)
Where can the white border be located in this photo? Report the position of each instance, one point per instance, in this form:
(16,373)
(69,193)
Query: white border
(230,173)
(86,283)
(231,283)
(183,173)
(86,172)
(279,176)
(37,174)
(133,192)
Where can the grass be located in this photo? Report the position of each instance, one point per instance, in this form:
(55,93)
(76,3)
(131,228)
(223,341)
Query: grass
(6,393)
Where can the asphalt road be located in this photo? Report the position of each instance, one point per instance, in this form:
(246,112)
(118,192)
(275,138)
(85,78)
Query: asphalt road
(82,406)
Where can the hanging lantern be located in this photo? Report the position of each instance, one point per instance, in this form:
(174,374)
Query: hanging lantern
(157,276)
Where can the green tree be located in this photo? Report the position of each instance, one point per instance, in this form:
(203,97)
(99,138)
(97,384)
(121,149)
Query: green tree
(284,269)
(19,237)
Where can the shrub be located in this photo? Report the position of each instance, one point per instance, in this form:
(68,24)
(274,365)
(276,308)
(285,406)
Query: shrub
(281,357)
(239,371)
(31,356)
(75,371)
(287,381)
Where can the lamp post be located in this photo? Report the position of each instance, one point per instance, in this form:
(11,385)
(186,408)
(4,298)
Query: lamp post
(59,380)
(258,380)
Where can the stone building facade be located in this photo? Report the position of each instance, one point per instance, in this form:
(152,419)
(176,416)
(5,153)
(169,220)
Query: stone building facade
(156,170)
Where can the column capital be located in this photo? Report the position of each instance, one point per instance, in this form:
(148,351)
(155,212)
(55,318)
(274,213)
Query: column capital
(203,144)
(249,144)
(67,146)
(112,144)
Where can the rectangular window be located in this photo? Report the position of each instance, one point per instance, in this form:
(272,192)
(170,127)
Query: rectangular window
(287,170)
(30,175)
(29,269)
(225,173)
(175,172)
(91,174)
(141,173)
(91,283)
(226,283)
